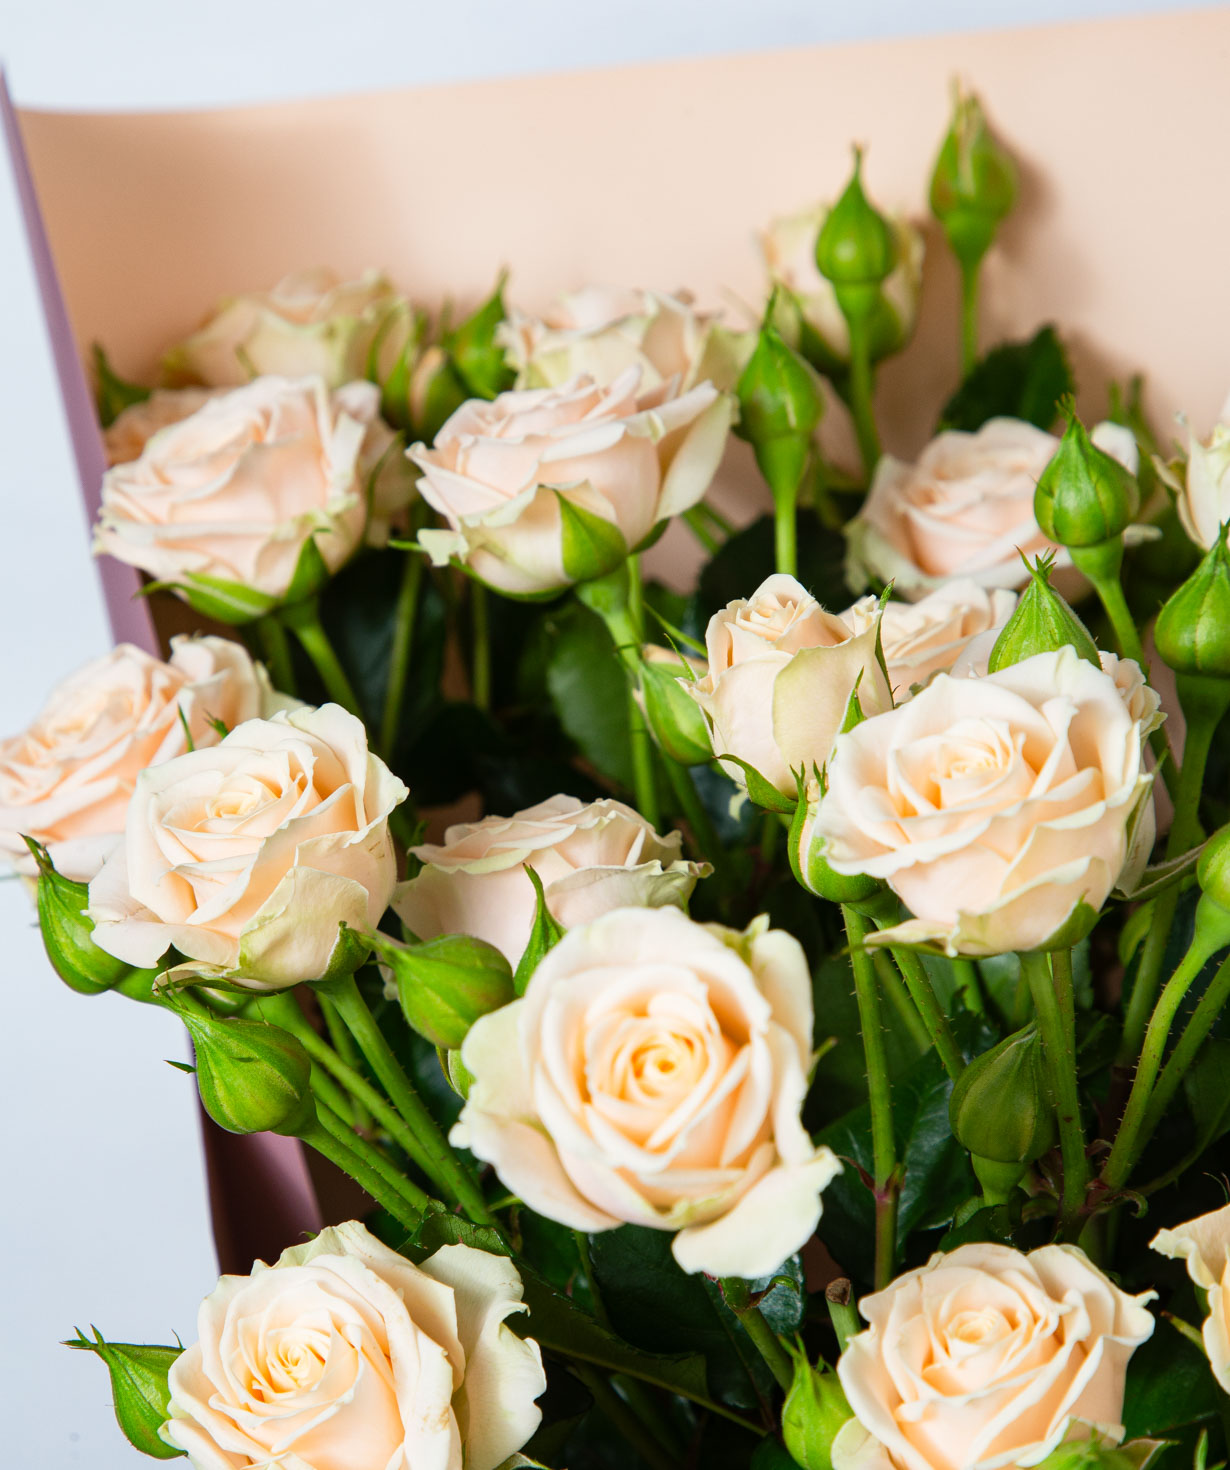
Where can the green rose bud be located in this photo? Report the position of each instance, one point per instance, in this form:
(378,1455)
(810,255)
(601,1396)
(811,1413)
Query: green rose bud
(253,1077)
(974,183)
(675,719)
(807,860)
(444,985)
(1084,496)
(1193,627)
(856,249)
(1042,623)
(139,1389)
(1213,869)
(1103,1454)
(1000,1108)
(815,1410)
(779,393)
(68,931)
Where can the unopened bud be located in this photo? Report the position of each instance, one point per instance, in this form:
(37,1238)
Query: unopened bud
(815,1410)
(1000,1108)
(1084,496)
(139,1390)
(974,183)
(68,931)
(807,860)
(444,985)
(1042,622)
(675,720)
(856,249)
(780,404)
(253,1077)
(1193,628)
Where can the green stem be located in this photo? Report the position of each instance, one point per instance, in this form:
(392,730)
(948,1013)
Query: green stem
(862,392)
(918,982)
(966,972)
(1054,1006)
(879,1092)
(695,523)
(275,650)
(839,1298)
(303,619)
(899,998)
(404,616)
(971,276)
(443,1165)
(622,1419)
(1133,1132)
(724,527)
(704,835)
(1184,832)
(480,631)
(739,1300)
(410,1193)
(344,1045)
(783,463)
(1202,1021)
(325,1141)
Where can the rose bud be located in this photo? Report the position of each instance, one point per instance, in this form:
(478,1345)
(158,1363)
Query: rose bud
(856,248)
(780,405)
(252,1077)
(1085,496)
(1193,627)
(816,1408)
(674,718)
(1000,1108)
(807,860)
(445,984)
(68,931)
(140,1394)
(1102,1454)
(974,183)
(1202,496)
(1213,868)
(1042,623)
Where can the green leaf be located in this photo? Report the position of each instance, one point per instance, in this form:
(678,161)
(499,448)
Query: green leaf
(589,691)
(544,936)
(747,558)
(442,1228)
(1207,1093)
(113,394)
(1168,1386)
(139,1385)
(1021,380)
(590,545)
(475,353)
(784,1302)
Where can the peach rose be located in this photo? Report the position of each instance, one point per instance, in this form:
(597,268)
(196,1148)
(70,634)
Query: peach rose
(1203,491)
(789,249)
(653,1073)
(136,425)
(343,1355)
(965,509)
(67,778)
(927,637)
(232,492)
(986,1358)
(994,808)
(780,676)
(1204,1245)
(247,856)
(604,330)
(590,859)
(516,476)
(310,324)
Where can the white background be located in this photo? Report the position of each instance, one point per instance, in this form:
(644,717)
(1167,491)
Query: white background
(103,1208)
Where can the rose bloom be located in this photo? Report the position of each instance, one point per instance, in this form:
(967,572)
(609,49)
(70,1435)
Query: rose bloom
(136,425)
(789,249)
(986,1358)
(602,331)
(653,1073)
(590,859)
(67,778)
(1204,1245)
(993,807)
(964,509)
(780,676)
(310,323)
(498,471)
(247,856)
(345,1356)
(927,637)
(235,489)
(1203,491)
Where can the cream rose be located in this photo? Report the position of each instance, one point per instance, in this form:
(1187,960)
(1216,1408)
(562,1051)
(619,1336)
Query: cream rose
(987,1358)
(602,331)
(231,493)
(136,425)
(310,323)
(653,1073)
(343,1355)
(1204,1245)
(590,859)
(1203,491)
(927,637)
(546,486)
(964,509)
(789,249)
(780,675)
(992,807)
(67,778)
(247,856)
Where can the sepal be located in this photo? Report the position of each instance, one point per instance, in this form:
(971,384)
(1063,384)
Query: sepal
(252,1077)
(444,985)
(68,931)
(544,936)
(139,1389)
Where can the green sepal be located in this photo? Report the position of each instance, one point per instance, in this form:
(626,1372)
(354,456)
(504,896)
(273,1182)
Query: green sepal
(675,720)
(218,598)
(445,984)
(1075,927)
(810,867)
(815,1411)
(253,1077)
(1084,496)
(759,790)
(1042,622)
(544,936)
(112,394)
(855,248)
(139,1386)
(349,952)
(1001,1107)
(310,573)
(1192,634)
(67,930)
(973,183)
(590,546)
(472,346)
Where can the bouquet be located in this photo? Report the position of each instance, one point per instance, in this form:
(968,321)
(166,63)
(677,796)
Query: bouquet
(802,1040)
